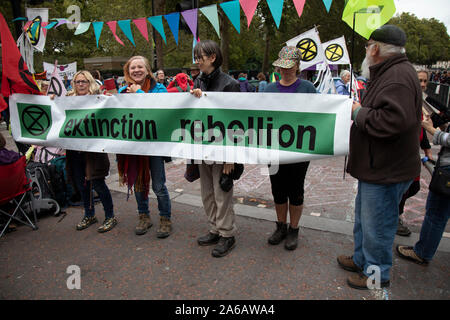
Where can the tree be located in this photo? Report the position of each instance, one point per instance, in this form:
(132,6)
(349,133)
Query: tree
(427,39)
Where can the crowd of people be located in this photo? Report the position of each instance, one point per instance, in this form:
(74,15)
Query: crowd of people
(387,131)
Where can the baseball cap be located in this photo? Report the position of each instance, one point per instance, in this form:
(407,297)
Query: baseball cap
(287,57)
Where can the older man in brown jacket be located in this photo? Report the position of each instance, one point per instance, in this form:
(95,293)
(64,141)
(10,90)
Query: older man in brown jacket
(384,154)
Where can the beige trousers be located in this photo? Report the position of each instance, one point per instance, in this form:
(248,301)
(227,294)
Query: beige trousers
(218,204)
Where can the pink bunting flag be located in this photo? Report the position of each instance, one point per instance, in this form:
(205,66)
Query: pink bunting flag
(141,24)
(113,25)
(43,25)
(249,7)
(299,4)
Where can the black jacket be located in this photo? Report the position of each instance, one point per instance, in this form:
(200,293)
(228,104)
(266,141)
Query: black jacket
(217,81)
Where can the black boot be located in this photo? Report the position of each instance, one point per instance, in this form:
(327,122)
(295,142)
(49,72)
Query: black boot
(291,239)
(209,239)
(223,247)
(279,234)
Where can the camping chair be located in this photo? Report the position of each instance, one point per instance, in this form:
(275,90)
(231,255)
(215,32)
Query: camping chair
(15,184)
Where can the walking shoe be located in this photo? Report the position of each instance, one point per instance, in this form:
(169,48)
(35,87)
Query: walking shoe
(291,239)
(279,234)
(359,281)
(86,222)
(402,230)
(347,263)
(165,227)
(223,247)
(144,224)
(408,253)
(107,225)
(209,239)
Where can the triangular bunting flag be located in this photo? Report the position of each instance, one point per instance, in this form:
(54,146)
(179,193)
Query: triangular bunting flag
(51,25)
(157,23)
(210,13)
(299,4)
(60,22)
(276,8)
(233,12)
(141,24)
(98,26)
(327,4)
(82,28)
(44,30)
(125,26)
(190,16)
(173,19)
(249,7)
(112,26)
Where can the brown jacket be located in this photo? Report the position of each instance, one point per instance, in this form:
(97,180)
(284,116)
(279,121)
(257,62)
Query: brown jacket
(384,138)
(97,164)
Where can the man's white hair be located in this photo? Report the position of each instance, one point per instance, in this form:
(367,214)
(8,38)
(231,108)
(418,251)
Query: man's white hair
(388,50)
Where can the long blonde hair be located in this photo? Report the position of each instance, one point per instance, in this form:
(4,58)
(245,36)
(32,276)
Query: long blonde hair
(94,88)
(126,69)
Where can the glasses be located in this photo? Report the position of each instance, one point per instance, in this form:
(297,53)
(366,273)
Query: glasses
(79,82)
(200,58)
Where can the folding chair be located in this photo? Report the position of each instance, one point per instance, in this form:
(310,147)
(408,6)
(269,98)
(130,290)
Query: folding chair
(15,184)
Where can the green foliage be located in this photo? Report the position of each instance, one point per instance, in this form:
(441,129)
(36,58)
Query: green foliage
(427,39)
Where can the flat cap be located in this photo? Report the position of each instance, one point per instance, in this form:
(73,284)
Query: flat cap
(389,34)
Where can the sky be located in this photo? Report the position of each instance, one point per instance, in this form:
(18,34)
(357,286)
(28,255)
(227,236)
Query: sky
(438,9)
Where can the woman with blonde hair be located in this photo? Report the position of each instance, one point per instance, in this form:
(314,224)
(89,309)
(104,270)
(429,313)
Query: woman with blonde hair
(135,170)
(89,169)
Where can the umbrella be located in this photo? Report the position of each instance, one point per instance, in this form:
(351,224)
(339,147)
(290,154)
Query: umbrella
(365,16)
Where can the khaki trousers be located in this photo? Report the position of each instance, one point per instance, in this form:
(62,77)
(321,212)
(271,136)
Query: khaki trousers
(218,204)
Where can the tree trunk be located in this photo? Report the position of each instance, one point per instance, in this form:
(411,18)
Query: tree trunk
(265,66)
(224,43)
(159,10)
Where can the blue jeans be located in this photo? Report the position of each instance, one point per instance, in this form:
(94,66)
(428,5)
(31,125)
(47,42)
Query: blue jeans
(78,166)
(376,219)
(158,177)
(436,218)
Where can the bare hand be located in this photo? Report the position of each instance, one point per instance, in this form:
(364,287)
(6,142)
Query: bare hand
(427,123)
(428,154)
(133,88)
(197,92)
(52,97)
(228,167)
(355,106)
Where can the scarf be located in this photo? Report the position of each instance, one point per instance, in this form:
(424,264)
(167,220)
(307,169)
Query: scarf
(134,170)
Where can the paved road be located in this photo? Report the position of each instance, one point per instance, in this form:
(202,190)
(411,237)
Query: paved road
(121,265)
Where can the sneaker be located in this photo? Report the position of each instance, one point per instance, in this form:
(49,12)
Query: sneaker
(107,225)
(402,230)
(223,247)
(86,222)
(347,263)
(408,253)
(165,227)
(359,281)
(279,234)
(291,239)
(143,225)
(209,239)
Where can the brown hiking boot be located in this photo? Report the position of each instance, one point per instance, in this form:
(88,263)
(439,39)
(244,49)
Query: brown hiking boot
(165,227)
(348,264)
(359,281)
(408,253)
(144,224)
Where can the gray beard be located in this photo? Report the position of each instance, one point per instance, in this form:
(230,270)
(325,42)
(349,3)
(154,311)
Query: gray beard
(365,71)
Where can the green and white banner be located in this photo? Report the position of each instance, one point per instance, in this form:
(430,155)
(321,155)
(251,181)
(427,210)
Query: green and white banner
(255,128)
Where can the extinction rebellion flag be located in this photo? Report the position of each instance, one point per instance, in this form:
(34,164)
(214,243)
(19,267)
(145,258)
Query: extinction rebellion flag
(310,46)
